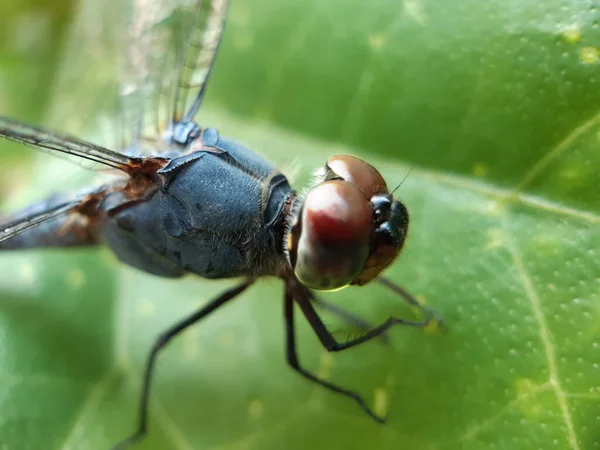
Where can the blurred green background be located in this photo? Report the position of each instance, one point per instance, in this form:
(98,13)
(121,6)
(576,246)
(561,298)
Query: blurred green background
(496,108)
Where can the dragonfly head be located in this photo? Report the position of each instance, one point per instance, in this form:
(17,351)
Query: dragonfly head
(349,227)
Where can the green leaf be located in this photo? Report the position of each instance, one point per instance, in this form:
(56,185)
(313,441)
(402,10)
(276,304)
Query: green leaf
(494,105)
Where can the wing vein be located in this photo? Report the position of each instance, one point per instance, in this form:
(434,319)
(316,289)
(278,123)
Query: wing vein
(212,38)
(41,139)
(11,229)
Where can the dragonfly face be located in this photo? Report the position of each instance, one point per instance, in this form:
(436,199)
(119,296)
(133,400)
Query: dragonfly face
(349,227)
(203,204)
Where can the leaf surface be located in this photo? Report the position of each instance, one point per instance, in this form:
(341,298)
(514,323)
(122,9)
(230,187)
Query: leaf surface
(494,106)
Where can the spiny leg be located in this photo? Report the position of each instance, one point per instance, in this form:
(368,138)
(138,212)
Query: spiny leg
(325,336)
(159,344)
(352,319)
(292,359)
(428,312)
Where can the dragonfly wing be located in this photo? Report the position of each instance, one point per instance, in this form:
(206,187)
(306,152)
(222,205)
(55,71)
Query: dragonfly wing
(84,98)
(67,145)
(172,55)
(105,90)
(55,222)
(133,69)
(198,58)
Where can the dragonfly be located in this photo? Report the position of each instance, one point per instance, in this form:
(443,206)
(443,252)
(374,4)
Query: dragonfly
(186,200)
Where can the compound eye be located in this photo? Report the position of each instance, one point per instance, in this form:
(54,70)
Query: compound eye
(334,242)
(358,172)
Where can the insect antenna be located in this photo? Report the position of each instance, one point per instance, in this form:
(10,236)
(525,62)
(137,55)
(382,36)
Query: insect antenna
(403,180)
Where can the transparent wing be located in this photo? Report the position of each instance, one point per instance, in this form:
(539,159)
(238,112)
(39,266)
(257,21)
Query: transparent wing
(53,142)
(14,227)
(138,90)
(61,220)
(198,59)
(85,92)
(173,53)
(132,68)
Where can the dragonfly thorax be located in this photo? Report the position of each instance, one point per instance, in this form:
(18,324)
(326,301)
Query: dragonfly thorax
(217,211)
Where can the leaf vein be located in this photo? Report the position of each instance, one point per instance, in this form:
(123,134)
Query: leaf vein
(486,424)
(544,333)
(507,197)
(556,152)
(89,407)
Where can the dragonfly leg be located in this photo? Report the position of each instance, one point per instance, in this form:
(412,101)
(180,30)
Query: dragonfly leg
(350,318)
(429,313)
(159,344)
(329,341)
(292,359)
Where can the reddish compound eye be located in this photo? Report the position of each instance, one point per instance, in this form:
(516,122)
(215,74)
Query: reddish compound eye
(349,229)
(333,245)
(358,172)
